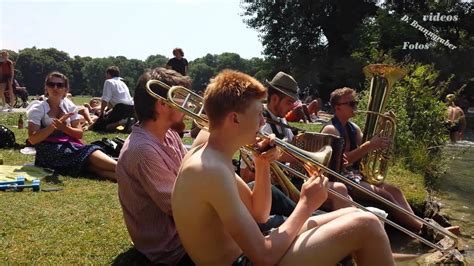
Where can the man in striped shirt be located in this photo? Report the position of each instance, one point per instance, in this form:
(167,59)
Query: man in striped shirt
(147,169)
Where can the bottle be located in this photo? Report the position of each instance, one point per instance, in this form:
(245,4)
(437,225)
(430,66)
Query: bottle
(20,122)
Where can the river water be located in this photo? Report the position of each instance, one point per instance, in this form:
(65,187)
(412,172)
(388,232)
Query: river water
(456,189)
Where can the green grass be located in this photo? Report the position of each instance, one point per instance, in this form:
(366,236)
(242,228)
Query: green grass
(83,222)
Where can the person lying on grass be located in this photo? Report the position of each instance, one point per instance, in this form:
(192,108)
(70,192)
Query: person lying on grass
(54,128)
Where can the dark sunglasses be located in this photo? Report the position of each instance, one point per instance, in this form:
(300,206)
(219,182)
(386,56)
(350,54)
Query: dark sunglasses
(59,85)
(351,103)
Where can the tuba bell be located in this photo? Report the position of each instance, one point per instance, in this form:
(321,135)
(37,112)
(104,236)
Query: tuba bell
(374,165)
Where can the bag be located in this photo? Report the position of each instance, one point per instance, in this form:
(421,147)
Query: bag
(7,138)
(111,147)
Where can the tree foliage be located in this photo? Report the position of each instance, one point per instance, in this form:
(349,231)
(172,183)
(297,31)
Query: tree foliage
(325,43)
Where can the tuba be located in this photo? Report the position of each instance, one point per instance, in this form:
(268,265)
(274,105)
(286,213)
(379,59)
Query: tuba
(374,165)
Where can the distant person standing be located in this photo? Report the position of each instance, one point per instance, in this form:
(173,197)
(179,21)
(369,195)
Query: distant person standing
(115,96)
(456,121)
(6,80)
(178,63)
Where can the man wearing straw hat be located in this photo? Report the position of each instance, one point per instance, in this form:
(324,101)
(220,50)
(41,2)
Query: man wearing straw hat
(282,94)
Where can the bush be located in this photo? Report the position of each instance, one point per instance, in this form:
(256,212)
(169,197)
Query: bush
(420,114)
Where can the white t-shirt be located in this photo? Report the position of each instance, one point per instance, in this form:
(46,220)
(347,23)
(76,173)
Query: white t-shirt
(116,91)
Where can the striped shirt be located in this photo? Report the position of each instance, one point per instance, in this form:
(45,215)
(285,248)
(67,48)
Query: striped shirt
(146,173)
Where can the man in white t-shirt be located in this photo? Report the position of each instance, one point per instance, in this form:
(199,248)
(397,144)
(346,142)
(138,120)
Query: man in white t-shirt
(116,98)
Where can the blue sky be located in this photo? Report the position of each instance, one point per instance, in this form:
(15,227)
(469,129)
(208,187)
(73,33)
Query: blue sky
(134,29)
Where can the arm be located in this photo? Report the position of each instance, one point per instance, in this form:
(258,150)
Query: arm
(259,200)
(106,97)
(37,135)
(238,222)
(102,107)
(462,121)
(74,130)
(156,178)
(374,143)
(186,67)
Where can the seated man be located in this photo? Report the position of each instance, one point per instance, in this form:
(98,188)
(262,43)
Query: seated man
(147,168)
(210,211)
(344,106)
(116,97)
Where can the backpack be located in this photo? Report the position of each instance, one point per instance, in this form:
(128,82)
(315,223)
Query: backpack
(7,138)
(111,147)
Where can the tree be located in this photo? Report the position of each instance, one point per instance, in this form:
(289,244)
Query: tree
(325,43)
(201,74)
(308,37)
(154,61)
(35,64)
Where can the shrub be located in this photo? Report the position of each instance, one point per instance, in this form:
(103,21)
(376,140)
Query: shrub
(420,114)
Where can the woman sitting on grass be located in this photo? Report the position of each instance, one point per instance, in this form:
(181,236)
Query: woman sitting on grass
(54,128)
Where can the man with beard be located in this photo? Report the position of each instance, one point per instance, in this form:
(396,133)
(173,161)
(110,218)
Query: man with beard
(147,169)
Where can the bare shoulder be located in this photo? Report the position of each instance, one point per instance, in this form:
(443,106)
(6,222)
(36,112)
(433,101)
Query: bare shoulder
(357,127)
(330,129)
(205,167)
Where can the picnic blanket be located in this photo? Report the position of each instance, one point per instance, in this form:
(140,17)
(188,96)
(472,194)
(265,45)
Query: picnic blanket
(29,172)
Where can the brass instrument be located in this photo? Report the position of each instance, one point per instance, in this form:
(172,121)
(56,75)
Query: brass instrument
(191,104)
(374,165)
(323,156)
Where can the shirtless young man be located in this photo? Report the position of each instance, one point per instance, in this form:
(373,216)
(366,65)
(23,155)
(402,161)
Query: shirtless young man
(456,121)
(213,221)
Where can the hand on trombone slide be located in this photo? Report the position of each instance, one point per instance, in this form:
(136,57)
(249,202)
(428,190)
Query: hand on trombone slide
(265,150)
(314,191)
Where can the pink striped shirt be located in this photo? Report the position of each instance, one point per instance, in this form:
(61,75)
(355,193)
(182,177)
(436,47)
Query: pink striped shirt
(146,172)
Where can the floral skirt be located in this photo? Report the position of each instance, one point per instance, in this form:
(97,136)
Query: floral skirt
(66,158)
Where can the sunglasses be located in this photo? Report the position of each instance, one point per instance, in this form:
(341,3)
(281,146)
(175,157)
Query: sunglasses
(351,103)
(59,85)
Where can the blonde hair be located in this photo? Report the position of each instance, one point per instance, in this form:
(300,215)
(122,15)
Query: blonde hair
(337,94)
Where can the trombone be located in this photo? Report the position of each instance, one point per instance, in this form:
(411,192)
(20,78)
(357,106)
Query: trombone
(192,105)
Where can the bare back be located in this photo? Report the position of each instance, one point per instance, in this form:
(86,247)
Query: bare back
(205,175)
(455,113)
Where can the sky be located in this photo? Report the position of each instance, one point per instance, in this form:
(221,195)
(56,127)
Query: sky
(131,28)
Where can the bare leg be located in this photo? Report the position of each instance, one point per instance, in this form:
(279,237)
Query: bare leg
(401,201)
(395,195)
(102,164)
(103,173)
(12,96)
(333,202)
(316,221)
(357,233)
(85,113)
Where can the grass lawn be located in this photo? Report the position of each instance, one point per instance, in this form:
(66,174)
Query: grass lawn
(83,223)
